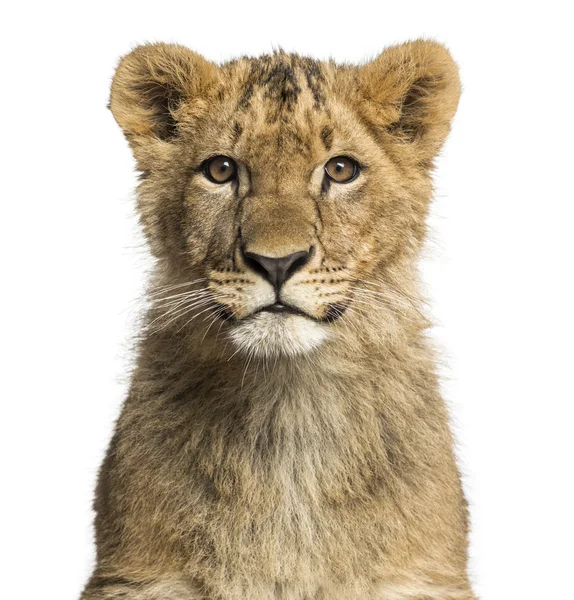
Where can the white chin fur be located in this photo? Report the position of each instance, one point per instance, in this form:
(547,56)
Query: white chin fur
(270,334)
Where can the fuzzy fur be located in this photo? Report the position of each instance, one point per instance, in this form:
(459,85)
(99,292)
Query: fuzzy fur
(283,456)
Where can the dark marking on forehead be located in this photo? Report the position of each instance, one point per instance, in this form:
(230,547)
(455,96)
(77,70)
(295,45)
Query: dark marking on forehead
(327,137)
(315,79)
(281,75)
(237,131)
(282,86)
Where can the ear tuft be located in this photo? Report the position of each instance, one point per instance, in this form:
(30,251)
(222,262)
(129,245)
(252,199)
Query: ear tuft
(412,92)
(151,83)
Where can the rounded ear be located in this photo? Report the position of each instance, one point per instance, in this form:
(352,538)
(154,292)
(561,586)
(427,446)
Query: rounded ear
(411,91)
(152,85)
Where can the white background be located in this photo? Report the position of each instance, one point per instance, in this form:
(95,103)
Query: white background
(498,266)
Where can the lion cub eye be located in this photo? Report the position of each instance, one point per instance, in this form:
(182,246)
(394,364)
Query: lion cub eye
(220,169)
(342,169)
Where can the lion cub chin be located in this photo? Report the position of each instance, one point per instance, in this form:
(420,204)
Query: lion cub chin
(284,200)
(272,335)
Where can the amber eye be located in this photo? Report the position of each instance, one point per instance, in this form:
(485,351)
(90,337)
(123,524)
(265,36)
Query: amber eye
(342,169)
(220,169)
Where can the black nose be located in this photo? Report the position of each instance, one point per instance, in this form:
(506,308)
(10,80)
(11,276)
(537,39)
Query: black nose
(277,270)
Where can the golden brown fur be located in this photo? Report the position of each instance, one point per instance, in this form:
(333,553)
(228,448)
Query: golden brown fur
(268,456)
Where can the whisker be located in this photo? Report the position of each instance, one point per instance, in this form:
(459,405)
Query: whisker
(384,303)
(190,294)
(389,290)
(251,353)
(186,299)
(384,283)
(167,288)
(218,313)
(178,311)
(385,297)
(194,317)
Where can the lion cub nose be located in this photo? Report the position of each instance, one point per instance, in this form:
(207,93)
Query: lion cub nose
(277,270)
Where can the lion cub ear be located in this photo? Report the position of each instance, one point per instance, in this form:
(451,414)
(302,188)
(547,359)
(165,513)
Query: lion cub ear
(154,86)
(411,91)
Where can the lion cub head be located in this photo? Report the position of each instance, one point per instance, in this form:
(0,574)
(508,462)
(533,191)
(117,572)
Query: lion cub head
(284,195)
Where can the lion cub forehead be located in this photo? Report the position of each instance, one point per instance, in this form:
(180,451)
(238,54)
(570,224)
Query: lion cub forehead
(282,79)
(279,105)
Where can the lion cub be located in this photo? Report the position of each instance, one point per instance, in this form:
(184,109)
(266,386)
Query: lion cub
(284,436)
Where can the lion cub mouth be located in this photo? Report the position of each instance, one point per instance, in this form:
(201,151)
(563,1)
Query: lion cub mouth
(333,313)
(280,308)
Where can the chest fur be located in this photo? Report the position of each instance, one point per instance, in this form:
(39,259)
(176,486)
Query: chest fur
(301,484)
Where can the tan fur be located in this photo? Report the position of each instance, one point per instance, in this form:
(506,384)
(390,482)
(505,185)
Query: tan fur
(273,456)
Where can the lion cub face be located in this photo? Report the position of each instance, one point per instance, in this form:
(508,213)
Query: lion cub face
(280,188)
